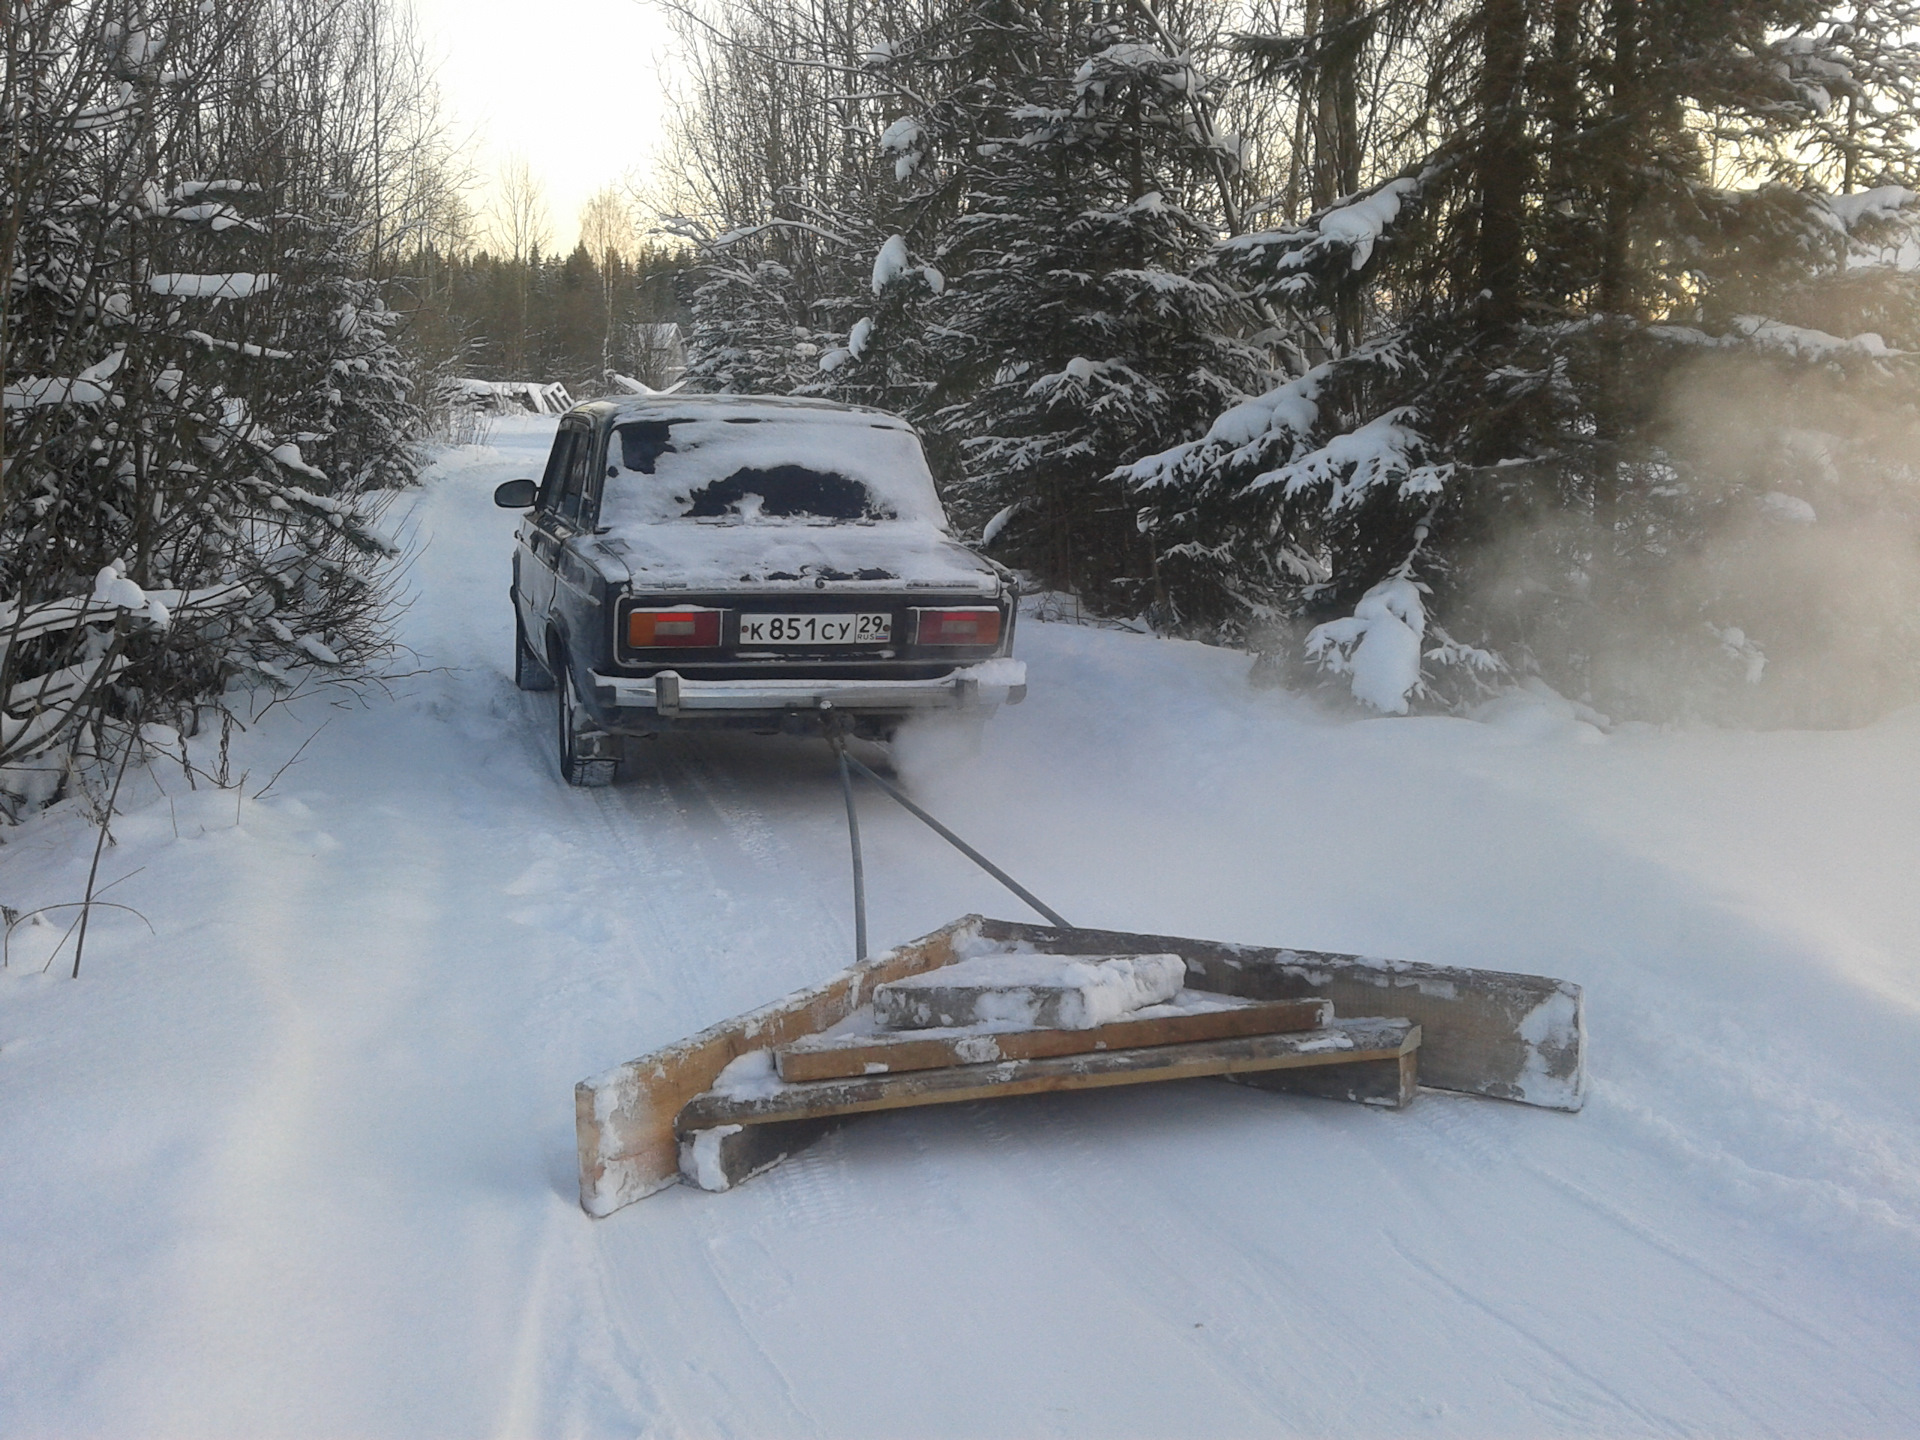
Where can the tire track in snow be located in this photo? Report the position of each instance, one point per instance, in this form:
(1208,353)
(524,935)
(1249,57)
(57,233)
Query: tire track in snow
(1454,1132)
(1175,1268)
(764,800)
(618,922)
(1131,1231)
(671,899)
(705,895)
(1529,1336)
(1297,1340)
(1641,1231)
(702,848)
(664,1288)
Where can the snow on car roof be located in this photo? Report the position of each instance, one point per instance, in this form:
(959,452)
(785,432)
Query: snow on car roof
(718,405)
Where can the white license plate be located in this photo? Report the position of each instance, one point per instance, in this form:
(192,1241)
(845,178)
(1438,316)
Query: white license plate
(816,629)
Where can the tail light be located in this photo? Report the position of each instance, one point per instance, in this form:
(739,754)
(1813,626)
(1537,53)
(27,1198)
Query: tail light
(972,626)
(649,629)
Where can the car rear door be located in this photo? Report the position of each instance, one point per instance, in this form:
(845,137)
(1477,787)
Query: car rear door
(553,522)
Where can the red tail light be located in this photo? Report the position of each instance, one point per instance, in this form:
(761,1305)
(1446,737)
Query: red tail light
(957,627)
(648,629)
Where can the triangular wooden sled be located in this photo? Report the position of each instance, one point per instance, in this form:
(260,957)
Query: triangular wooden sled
(1338,1026)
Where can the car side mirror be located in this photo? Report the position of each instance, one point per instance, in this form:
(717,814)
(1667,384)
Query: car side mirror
(516,494)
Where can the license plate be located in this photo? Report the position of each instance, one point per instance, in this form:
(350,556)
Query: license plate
(816,629)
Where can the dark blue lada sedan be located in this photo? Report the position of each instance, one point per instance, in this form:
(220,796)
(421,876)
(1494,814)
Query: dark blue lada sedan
(748,562)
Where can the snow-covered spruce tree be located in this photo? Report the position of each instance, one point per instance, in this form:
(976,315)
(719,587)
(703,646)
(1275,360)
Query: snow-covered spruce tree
(1034,308)
(1514,454)
(747,332)
(163,527)
(888,355)
(1059,160)
(361,414)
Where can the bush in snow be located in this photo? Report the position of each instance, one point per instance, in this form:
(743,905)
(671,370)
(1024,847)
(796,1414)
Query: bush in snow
(203,396)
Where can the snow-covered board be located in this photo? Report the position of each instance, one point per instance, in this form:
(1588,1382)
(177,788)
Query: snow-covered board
(720,1157)
(1387,1043)
(837,1056)
(1035,992)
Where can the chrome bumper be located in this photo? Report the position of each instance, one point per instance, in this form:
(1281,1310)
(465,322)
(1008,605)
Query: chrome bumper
(994,683)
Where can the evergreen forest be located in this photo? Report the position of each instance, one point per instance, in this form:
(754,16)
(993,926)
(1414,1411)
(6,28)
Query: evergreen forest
(1419,347)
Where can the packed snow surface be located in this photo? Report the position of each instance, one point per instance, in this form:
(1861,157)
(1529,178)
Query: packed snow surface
(1030,991)
(301,1161)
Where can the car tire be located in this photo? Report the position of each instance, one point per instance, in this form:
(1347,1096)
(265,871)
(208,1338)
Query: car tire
(585,771)
(528,672)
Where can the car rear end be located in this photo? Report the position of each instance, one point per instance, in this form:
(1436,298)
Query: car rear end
(783,660)
(786,561)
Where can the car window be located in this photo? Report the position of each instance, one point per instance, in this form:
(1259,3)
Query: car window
(830,466)
(575,485)
(553,479)
(784,491)
(641,443)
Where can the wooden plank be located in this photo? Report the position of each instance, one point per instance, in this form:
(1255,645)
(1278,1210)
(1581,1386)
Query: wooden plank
(720,1158)
(623,1119)
(823,1057)
(1389,1084)
(1357,1040)
(1513,1037)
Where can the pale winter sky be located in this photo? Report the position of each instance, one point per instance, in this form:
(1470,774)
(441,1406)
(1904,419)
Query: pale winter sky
(573,85)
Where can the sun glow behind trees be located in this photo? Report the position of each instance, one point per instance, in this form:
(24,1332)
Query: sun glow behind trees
(577,89)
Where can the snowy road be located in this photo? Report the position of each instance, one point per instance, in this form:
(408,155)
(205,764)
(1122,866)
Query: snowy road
(302,1163)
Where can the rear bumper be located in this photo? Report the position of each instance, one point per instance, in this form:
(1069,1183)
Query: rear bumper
(668,696)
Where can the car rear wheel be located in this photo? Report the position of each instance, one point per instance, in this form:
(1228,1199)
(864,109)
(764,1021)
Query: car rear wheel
(528,672)
(580,740)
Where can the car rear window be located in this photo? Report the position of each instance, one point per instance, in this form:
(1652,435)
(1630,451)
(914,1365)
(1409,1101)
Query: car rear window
(800,467)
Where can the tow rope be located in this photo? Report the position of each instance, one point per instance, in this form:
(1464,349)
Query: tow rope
(836,738)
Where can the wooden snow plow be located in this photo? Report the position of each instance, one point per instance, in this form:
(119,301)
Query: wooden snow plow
(1337,1026)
